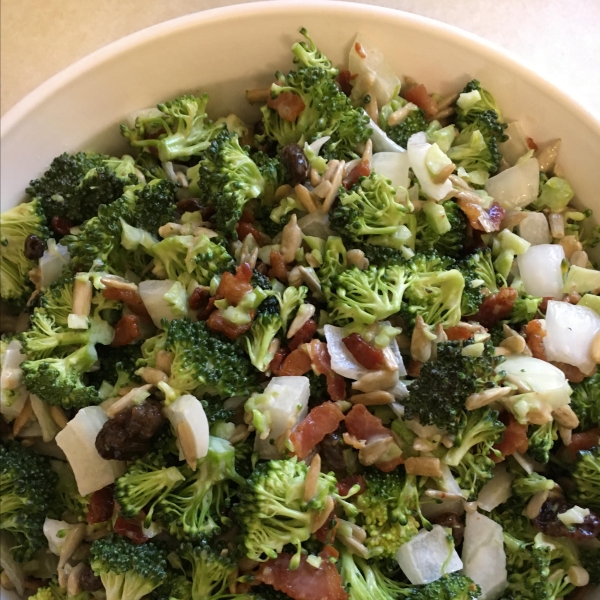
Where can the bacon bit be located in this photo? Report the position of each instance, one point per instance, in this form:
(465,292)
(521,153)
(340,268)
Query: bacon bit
(360,170)
(414,368)
(514,438)
(278,268)
(343,79)
(132,299)
(531,144)
(458,333)
(217,322)
(305,582)
(481,219)
(275,364)
(130,529)
(234,287)
(101,505)
(126,331)
(247,216)
(362,424)
(303,335)
(288,105)
(418,95)
(320,421)
(496,307)
(319,356)
(345,485)
(364,353)
(205,311)
(326,534)
(535,334)
(572,373)
(389,465)
(297,362)
(580,441)
(243,228)
(336,386)
(329,551)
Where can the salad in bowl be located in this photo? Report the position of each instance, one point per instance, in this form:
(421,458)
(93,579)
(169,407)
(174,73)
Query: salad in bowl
(345,352)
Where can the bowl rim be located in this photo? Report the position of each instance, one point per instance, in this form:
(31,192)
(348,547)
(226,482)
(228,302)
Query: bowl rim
(488,50)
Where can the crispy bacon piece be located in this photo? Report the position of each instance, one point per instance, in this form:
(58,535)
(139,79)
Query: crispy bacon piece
(297,362)
(343,79)
(572,373)
(417,94)
(303,335)
(275,364)
(580,441)
(362,424)
(481,219)
(234,287)
(336,386)
(305,582)
(217,322)
(129,297)
(130,529)
(535,334)
(320,421)
(496,307)
(126,331)
(278,268)
(101,505)
(243,228)
(414,368)
(288,105)
(345,485)
(326,534)
(531,144)
(364,353)
(360,170)
(458,333)
(319,355)
(514,438)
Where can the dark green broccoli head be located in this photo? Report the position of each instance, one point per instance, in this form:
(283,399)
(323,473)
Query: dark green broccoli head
(480,280)
(414,123)
(438,396)
(57,300)
(128,571)
(27,495)
(59,381)
(265,327)
(448,587)
(327,112)
(272,171)
(590,561)
(541,440)
(586,476)
(585,401)
(210,572)
(450,243)
(116,364)
(16,225)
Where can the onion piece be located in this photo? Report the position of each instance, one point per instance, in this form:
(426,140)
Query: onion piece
(417,148)
(516,145)
(55,258)
(315,224)
(516,187)
(12,393)
(52,531)
(153,294)
(534,228)
(570,329)
(496,491)
(541,270)
(393,165)
(381,142)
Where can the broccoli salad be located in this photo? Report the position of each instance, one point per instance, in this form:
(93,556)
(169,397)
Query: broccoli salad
(346,352)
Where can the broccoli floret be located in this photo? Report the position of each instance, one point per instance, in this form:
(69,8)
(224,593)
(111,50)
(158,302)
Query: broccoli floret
(414,122)
(16,225)
(388,511)
(433,291)
(448,587)
(117,366)
(334,262)
(128,571)
(53,591)
(526,308)
(203,361)
(98,245)
(541,440)
(177,130)
(306,54)
(438,396)
(75,185)
(366,296)
(290,301)
(480,280)
(193,509)
(27,495)
(585,402)
(58,381)
(57,300)
(369,212)
(209,571)
(473,152)
(586,476)
(272,511)
(69,503)
(215,412)
(146,482)
(273,173)
(188,258)
(326,111)
(450,243)
(590,561)
(524,487)
(227,178)
(265,327)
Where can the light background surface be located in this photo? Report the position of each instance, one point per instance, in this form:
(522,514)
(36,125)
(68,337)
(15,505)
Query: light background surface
(559,39)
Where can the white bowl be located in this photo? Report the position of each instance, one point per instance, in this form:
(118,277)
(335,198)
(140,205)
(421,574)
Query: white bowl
(228,50)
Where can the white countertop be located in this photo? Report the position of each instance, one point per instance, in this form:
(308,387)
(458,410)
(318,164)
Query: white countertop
(558,39)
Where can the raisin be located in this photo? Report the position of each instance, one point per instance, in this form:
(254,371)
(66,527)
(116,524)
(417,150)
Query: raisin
(295,163)
(34,247)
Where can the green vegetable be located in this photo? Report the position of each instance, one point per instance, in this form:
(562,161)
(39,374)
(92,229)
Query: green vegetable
(585,402)
(308,55)
(451,243)
(555,194)
(265,327)
(541,440)
(587,478)
(414,122)
(210,572)
(480,280)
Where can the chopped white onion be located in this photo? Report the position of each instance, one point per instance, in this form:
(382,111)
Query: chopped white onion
(315,224)
(516,187)
(496,491)
(55,258)
(393,165)
(381,142)
(535,229)
(417,148)
(188,409)
(516,145)
(541,270)
(318,144)
(153,293)
(12,393)
(570,329)
(52,531)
